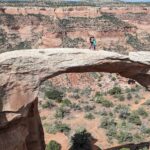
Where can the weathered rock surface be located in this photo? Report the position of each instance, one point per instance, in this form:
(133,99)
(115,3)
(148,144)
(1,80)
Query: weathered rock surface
(22,72)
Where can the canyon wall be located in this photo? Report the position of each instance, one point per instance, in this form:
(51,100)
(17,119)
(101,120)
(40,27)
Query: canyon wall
(121,29)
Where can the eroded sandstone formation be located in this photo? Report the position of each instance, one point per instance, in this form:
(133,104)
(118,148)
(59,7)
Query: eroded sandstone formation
(22,72)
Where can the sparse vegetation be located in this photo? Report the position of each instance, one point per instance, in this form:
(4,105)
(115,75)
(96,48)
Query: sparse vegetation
(107,123)
(124,136)
(48,104)
(61,112)
(53,145)
(115,91)
(54,94)
(135,119)
(142,112)
(134,41)
(89,116)
(58,127)
(104,102)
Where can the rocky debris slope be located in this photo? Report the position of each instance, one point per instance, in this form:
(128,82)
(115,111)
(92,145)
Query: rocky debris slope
(22,72)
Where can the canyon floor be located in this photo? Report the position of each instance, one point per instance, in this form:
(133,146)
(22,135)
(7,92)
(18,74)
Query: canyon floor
(82,107)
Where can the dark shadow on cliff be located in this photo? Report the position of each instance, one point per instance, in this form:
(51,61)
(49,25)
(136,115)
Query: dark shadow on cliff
(2,114)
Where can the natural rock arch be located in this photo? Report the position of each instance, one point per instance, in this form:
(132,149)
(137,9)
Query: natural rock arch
(22,72)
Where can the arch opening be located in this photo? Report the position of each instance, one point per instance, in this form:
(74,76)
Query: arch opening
(87,101)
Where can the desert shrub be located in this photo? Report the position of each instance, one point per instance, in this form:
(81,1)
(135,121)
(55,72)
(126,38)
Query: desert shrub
(81,140)
(100,99)
(107,122)
(76,106)
(23,45)
(54,94)
(127,90)
(86,92)
(113,79)
(135,119)
(103,112)
(61,112)
(58,127)
(115,90)
(89,116)
(123,110)
(106,103)
(145,130)
(125,149)
(129,96)
(75,95)
(89,108)
(111,133)
(137,96)
(53,145)
(134,41)
(48,104)
(136,101)
(138,137)
(66,102)
(147,102)
(124,137)
(142,112)
(120,97)
(124,113)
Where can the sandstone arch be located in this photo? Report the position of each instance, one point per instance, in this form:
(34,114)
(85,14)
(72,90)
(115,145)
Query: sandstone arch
(22,72)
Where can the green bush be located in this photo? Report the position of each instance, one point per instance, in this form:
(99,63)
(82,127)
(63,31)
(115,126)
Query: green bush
(121,98)
(66,102)
(145,130)
(115,90)
(111,133)
(124,113)
(48,104)
(61,112)
(53,145)
(103,112)
(113,79)
(89,108)
(129,96)
(89,116)
(107,103)
(54,94)
(135,119)
(125,149)
(100,99)
(58,127)
(142,112)
(76,107)
(107,123)
(81,140)
(124,137)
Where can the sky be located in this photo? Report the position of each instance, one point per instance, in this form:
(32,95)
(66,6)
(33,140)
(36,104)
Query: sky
(122,0)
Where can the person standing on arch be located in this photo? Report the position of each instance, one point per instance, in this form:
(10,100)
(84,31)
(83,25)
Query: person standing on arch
(93,43)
